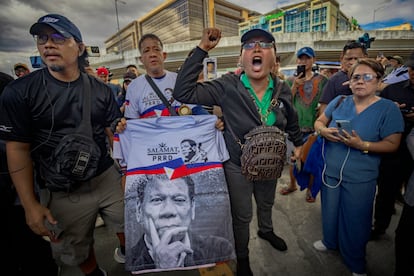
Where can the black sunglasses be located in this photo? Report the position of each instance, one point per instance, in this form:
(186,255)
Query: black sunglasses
(263,45)
(55,37)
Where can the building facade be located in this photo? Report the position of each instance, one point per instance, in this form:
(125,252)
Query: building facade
(327,45)
(179,21)
(304,17)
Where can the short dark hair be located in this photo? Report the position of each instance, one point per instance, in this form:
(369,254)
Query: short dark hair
(132,65)
(150,36)
(353,44)
(191,142)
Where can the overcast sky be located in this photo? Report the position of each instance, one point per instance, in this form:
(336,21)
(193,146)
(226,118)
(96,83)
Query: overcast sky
(97,19)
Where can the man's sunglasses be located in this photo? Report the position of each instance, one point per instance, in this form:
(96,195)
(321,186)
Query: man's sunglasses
(56,38)
(365,77)
(263,45)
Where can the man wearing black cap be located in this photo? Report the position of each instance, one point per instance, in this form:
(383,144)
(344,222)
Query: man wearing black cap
(245,101)
(36,112)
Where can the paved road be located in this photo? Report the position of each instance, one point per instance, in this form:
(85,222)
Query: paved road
(299,223)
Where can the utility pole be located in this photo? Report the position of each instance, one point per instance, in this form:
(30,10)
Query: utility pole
(117,22)
(377,9)
(373,16)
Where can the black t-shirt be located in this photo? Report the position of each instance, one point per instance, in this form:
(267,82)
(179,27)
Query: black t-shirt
(40,110)
(401,92)
(334,87)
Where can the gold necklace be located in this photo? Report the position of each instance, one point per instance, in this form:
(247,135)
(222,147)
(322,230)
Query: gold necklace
(264,117)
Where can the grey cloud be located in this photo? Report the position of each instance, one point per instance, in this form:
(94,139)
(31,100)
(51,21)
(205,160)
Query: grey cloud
(97,18)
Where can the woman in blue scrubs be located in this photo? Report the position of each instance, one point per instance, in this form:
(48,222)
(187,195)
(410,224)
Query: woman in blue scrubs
(357,129)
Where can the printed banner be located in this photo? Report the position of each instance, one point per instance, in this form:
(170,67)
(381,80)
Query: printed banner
(177,209)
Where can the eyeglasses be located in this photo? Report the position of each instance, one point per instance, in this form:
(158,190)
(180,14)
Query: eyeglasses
(56,38)
(365,77)
(263,45)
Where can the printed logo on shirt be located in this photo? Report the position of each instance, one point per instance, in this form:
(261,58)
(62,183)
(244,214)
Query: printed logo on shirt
(5,128)
(162,152)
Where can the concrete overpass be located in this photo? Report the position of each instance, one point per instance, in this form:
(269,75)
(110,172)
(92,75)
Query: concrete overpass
(328,47)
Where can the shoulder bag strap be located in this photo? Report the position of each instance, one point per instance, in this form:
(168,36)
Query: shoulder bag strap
(238,141)
(86,124)
(340,101)
(273,103)
(161,96)
(278,91)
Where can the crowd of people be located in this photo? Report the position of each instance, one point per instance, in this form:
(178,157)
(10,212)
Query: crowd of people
(366,165)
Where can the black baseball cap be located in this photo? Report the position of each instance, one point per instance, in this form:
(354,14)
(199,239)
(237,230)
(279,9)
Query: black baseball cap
(58,22)
(257,33)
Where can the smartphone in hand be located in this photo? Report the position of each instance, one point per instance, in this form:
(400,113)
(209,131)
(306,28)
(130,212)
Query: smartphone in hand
(407,109)
(344,125)
(301,69)
(55,230)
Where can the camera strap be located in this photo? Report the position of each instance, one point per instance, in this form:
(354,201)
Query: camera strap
(86,125)
(161,96)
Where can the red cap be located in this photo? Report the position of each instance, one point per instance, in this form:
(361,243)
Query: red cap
(102,71)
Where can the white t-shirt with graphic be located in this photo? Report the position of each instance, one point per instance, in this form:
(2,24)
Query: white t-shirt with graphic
(141,101)
(165,139)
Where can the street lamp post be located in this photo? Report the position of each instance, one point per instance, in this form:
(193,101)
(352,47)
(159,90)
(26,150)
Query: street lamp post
(373,16)
(377,9)
(117,22)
